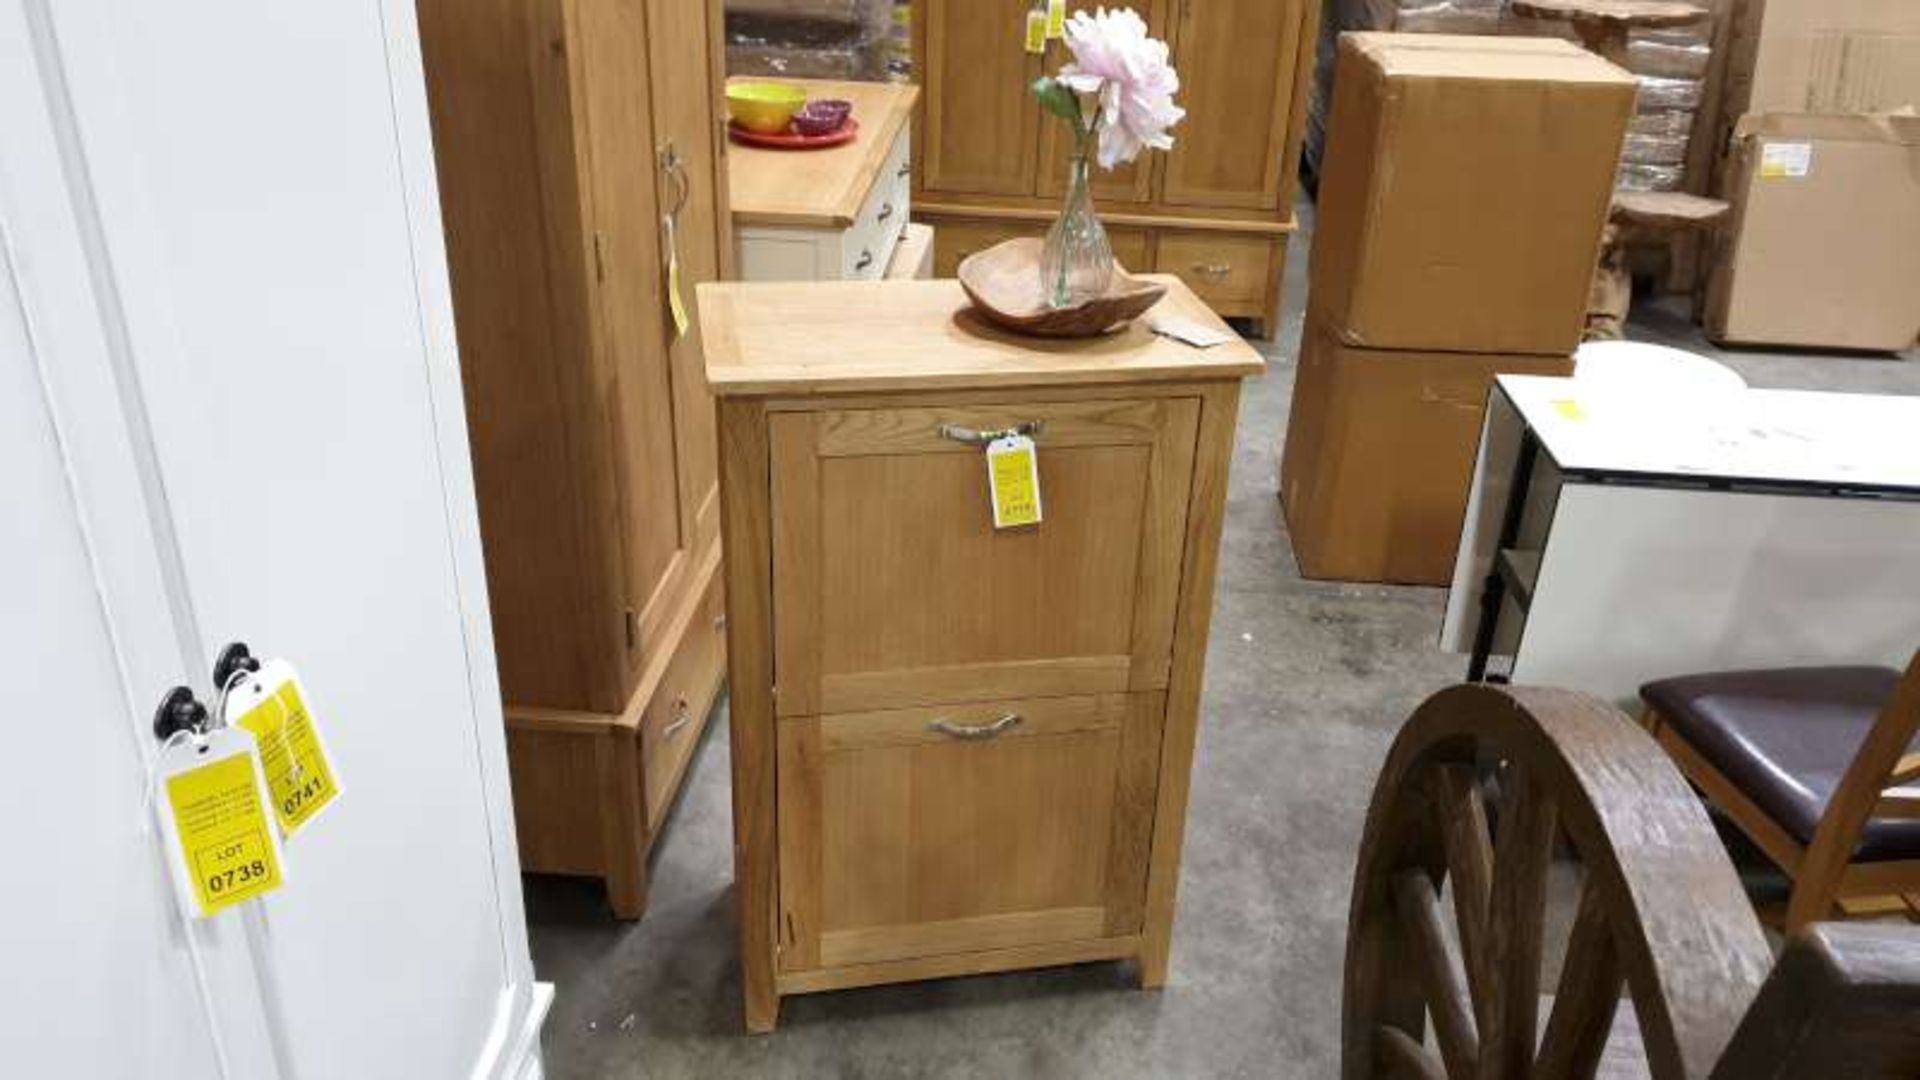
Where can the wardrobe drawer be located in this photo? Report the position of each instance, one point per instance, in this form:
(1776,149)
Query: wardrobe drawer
(1223,268)
(892,587)
(931,831)
(677,713)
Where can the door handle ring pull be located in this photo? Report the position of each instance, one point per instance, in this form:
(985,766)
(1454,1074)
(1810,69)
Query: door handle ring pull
(979,437)
(975,731)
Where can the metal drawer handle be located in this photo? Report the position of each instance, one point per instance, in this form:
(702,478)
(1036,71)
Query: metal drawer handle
(682,716)
(1215,271)
(975,437)
(982,731)
(866,260)
(906,169)
(886,211)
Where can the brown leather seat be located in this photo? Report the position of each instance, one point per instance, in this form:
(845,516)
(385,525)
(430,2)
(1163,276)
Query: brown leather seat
(1785,738)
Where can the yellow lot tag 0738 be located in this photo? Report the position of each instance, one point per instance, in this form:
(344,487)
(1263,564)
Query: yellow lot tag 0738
(214,806)
(299,771)
(1013,478)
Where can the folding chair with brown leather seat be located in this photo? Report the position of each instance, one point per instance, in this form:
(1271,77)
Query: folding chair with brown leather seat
(1812,764)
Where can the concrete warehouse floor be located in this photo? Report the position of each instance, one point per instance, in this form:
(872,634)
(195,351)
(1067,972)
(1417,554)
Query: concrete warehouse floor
(1306,684)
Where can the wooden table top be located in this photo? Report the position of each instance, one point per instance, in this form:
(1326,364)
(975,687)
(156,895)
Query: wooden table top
(819,188)
(1645,13)
(801,338)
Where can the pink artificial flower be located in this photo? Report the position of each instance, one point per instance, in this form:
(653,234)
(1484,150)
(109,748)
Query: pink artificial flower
(1127,74)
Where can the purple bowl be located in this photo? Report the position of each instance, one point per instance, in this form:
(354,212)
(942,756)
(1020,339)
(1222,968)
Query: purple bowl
(822,117)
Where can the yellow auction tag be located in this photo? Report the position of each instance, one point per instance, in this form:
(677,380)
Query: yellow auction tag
(215,809)
(1056,19)
(299,772)
(675,304)
(1013,478)
(1036,32)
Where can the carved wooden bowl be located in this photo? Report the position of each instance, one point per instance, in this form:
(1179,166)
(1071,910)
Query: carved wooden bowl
(1004,284)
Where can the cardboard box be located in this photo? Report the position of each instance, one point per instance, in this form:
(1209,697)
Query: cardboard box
(1465,185)
(1822,56)
(1379,455)
(1824,246)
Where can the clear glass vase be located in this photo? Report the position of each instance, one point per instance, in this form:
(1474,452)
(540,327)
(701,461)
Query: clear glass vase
(1076,262)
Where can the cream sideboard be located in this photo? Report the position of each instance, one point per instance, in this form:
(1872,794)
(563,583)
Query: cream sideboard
(835,214)
(957,749)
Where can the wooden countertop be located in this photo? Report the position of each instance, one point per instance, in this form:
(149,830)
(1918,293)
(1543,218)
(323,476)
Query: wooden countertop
(820,188)
(799,338)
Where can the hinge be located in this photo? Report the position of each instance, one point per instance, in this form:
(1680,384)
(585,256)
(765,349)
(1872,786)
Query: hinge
(633,630)
(599,256)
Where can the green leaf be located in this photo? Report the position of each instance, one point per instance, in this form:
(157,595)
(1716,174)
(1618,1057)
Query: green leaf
(1057,99)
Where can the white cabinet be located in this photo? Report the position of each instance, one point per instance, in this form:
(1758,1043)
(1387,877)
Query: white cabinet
(835,214)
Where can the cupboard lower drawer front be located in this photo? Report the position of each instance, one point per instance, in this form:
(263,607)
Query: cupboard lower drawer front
(1225,270)
(935,831)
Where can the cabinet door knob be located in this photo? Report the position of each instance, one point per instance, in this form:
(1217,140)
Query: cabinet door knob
(975,731)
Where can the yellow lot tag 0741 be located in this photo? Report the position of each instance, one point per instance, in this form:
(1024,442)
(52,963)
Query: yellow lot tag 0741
(214,806)
(1013,478)
(299,772)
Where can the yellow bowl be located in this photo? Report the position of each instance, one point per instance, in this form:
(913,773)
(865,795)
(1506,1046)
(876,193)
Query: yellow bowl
(765,107)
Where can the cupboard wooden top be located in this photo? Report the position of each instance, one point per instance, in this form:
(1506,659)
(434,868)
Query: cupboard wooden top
(767,339)
(820,188)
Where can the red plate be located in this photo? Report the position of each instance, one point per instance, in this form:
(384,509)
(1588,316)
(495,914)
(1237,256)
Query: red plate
(792,140)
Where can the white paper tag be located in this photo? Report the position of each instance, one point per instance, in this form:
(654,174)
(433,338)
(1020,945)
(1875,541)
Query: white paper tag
(213,811)
(1786,160)
(1013,481)
(1193,333)
(273,706)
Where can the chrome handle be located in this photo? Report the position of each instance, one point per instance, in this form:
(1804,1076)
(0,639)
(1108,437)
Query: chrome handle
(675,168)
(682,716)
(866,260)
(969,731)
(1216,271)
(719,623)
(977,437)
(886,211)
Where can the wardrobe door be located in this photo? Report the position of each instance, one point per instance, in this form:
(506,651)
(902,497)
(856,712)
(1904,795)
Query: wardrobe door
(979,121)
(632,359)
(687,76)
(1238,63)
(1130,183)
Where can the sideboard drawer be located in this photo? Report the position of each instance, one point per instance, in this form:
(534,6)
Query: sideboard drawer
(892,588)
(1223,268)
(938,830)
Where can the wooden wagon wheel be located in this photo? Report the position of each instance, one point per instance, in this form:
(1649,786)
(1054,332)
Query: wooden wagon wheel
(1661,910)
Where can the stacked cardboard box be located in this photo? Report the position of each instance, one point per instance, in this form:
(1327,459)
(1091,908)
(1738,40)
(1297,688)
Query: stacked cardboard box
(1463,194)
(1823,181)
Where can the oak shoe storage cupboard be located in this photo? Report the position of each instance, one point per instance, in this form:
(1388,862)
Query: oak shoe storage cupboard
(1216,210)
(580,151)
(958,749)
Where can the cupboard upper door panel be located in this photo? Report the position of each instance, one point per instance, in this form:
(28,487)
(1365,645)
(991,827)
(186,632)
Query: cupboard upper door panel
(979,118)
(631,339)
(1238,69)
(1129,183)
(899,838)
(686,113)
(892,587)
